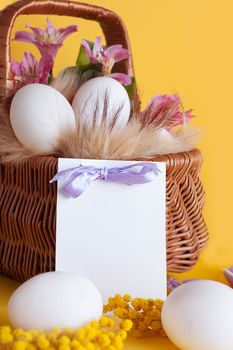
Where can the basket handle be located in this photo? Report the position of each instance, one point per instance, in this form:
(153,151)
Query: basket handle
(113,28)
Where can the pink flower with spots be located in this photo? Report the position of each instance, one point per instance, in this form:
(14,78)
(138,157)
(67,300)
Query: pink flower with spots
(47,40)
(164,111)
(31,71)
(107,57)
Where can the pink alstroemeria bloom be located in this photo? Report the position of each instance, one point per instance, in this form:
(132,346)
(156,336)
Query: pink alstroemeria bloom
(107,57)
(47,40)
(164,111)
(31,71)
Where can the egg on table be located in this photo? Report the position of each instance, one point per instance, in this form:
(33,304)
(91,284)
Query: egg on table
(198,315)
(102,101)
(38,115)
(55,299)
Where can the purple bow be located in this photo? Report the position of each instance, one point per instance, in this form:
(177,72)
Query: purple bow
(76,180)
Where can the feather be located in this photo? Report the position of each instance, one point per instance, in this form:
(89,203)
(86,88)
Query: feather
(135,141)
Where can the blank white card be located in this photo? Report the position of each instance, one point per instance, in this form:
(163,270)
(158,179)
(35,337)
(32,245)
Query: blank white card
(114,234)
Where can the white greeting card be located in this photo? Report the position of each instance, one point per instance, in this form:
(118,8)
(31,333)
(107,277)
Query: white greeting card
(114,234)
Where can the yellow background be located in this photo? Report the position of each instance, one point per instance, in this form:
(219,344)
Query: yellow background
(185,47)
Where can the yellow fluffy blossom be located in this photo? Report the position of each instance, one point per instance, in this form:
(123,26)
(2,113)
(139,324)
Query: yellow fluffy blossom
(145,314)
(97,335)
(139,317)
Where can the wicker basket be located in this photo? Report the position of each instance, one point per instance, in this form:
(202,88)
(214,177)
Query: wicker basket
(28,201)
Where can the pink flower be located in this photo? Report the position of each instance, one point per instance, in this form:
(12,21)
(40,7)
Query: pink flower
(164,111)
(47,40)
(31,71)
(107,58)
(121,77)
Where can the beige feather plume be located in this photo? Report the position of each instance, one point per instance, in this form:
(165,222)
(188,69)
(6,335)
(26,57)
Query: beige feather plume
(134,141)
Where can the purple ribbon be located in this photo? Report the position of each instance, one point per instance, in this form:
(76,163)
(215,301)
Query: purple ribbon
(76,180)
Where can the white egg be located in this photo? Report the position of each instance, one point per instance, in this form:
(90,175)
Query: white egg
(38,115)
(55,299)
(89,102)
(199,316)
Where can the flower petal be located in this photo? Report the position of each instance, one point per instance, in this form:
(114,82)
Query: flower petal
(117,53)
(29,62)
(47,40)
(86,47)
(122,78)
(165,100)
(30,71)
(65,32)
(50,27)
(97,48)
(38,32)
(24,36)
(111,50)
(182,117)
(16,68)
(88,51)
(164,111)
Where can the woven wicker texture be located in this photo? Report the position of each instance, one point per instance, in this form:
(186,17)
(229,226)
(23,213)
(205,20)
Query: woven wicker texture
(28,201)
(28,215)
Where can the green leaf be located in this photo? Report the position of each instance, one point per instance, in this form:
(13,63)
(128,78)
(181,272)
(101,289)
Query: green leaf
(88,72)
(131,88)
(83,59)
